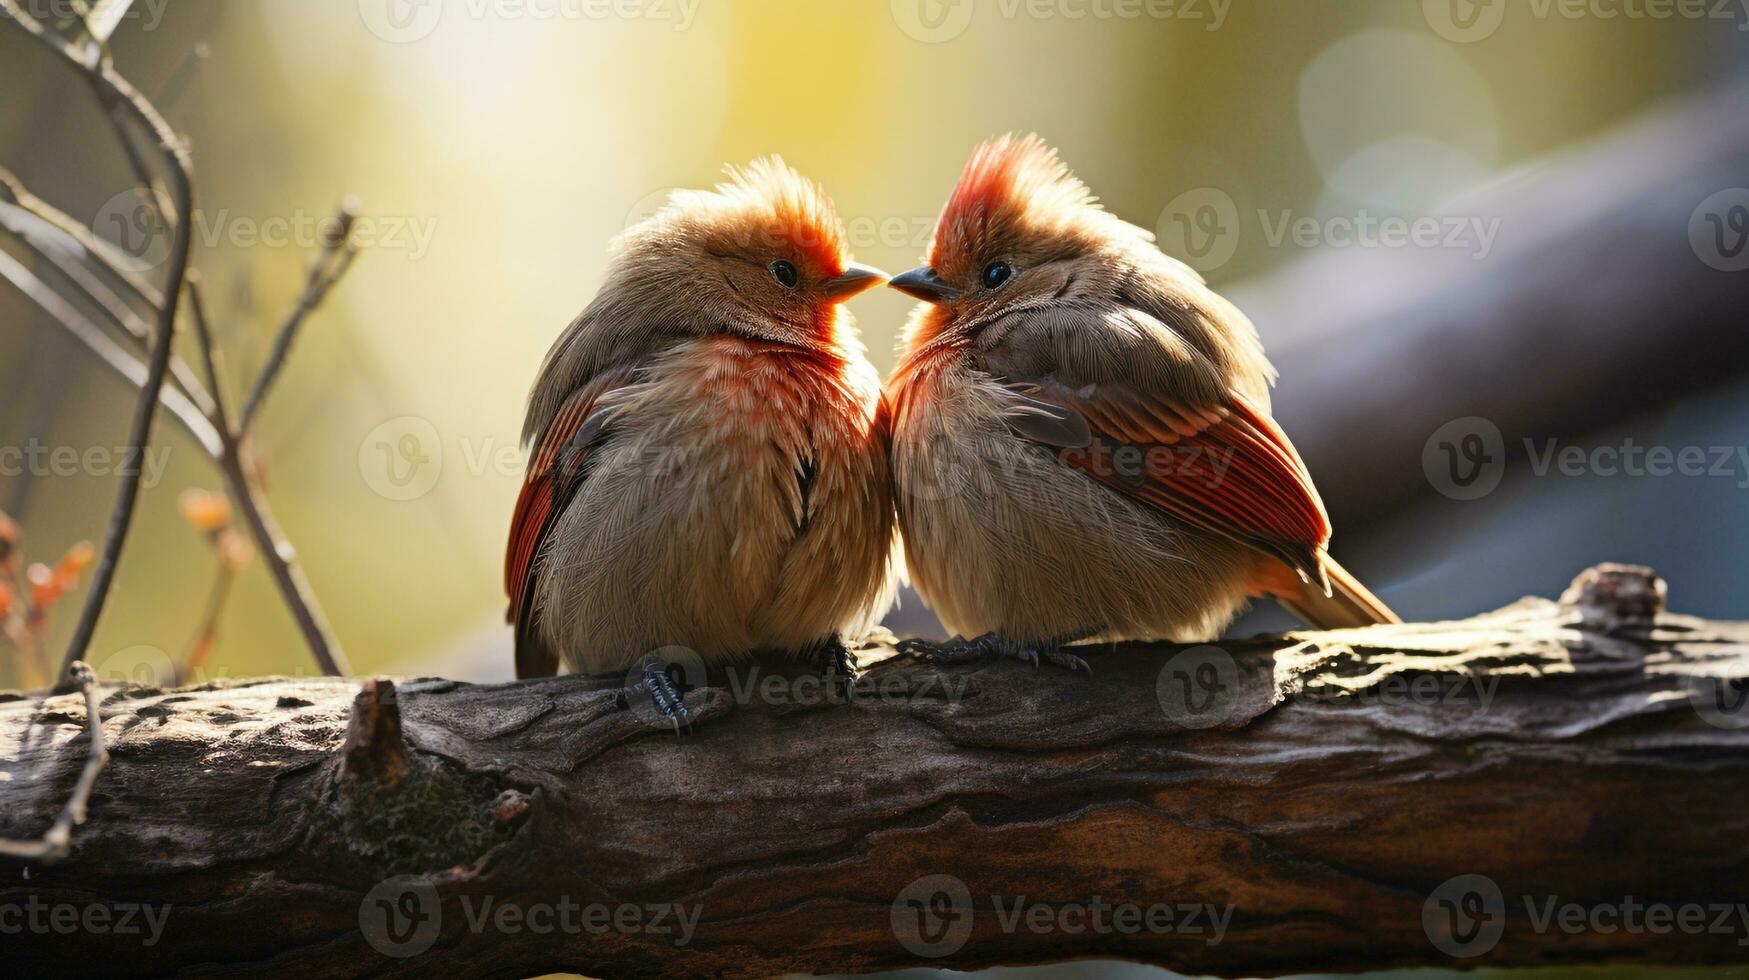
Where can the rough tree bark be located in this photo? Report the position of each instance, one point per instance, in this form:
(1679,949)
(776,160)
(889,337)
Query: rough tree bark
(1318,792)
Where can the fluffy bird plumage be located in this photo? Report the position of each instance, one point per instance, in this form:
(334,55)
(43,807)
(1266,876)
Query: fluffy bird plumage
(1081,436)
(707,466)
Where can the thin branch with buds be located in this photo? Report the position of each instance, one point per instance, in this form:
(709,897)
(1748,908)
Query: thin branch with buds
(128,106)
(275,552)
(89,265)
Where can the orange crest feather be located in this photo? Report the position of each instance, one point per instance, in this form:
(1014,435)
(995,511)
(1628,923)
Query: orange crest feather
(1015,183)
(767,201)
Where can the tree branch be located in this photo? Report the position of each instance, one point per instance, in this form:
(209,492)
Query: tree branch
(201,413)
(275,550)
(128,105)
(15,218)
(1312,798)
(55,843)
(335,259)
(68,317)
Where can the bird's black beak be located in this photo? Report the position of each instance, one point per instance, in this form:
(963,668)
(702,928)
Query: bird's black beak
(854,279)
(925,285)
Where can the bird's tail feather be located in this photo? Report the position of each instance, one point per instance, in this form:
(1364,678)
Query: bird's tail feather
(1349,604)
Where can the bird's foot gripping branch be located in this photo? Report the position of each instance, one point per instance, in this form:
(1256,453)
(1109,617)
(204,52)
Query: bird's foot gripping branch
(1552,782)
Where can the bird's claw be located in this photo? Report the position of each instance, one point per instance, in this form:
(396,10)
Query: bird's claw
(838,666)
(992,646)
(663,693)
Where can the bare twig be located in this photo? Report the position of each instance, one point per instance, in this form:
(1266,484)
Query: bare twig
(201,412)
(276,551)
(202,643)
(99,250)
(337,256)
(120,95)
(185,412)
(16,219)
(56,843)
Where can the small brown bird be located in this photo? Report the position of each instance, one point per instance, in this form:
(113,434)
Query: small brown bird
(706,467)
(1082,445)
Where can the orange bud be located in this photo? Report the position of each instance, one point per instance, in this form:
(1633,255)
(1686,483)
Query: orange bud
(44,590)
(75,561)
(205,511)
(235,550)
(5,599)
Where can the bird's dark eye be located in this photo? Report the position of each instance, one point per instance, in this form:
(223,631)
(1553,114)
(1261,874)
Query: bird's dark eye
(784,273)
(997,273)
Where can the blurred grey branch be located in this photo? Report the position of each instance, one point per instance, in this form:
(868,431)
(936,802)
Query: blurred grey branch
(92,275)
(1593,308)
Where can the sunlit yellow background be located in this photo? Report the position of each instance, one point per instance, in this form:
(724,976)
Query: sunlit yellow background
(497,147)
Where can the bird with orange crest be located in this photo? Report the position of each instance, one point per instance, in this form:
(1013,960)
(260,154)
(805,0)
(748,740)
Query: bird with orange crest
(1082,443)
(706,465)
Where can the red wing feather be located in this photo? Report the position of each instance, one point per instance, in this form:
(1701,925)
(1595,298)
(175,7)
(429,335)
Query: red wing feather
(552,472)
(1227,468)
